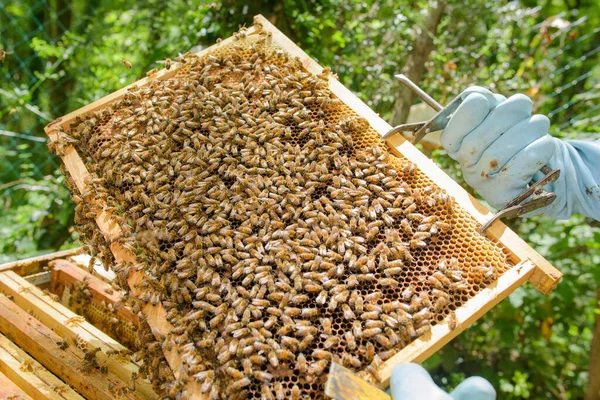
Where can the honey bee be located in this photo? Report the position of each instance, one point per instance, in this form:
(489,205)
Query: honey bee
(3,54)
(410,328)
(266,393)
(408,293)
(279,392)
(240,383)
(27,366)
(351,361)
(422,315)
(318,367)
(348,314)
(418,244)
(321,299)
(420,235)
(331,342)
(452,322)
(488,272)
(285,355)
(326,326)
(423,330)
(126,63)
(440,303)
(442,278)
(296,392)
(350,340)
(433,281)
(263,376)
(167,62)
(459,286)
(388,282)
(367,333)
(443,226)
(301,364)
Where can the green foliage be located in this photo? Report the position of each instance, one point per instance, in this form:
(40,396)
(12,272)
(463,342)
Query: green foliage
(40,221)
(530,346)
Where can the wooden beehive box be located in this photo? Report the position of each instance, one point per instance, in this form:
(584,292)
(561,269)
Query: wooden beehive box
(518,262)
(45,346)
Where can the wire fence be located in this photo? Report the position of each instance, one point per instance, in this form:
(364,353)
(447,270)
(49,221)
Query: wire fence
(22,113)
(35,88)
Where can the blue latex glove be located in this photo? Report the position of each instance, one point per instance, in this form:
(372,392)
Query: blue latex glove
(412,382)
(500,147)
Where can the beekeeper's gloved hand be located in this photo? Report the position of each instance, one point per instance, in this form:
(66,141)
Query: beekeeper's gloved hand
(412,382)
(500,147)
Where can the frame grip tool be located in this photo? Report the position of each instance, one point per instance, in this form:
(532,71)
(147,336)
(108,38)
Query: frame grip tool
(530,199)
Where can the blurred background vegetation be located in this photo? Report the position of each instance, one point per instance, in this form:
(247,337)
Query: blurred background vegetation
(65,54)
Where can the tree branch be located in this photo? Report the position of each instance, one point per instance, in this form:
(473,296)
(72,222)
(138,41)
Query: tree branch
(415,66)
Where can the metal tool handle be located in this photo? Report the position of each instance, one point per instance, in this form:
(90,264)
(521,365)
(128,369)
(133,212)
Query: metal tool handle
(517,206)
(419,92)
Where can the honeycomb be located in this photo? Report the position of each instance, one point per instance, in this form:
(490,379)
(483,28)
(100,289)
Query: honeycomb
(101,317)
(272,223)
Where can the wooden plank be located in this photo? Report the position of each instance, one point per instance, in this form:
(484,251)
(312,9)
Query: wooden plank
(342,384)
(68,273)
(10,391)
(43,344)
(545,278)
(61,320)
(30,376)
(34,265)
(83,261)
(68,278)
(425,346)
(39,279)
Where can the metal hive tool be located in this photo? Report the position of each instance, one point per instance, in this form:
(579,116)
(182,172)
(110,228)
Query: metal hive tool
(424,258)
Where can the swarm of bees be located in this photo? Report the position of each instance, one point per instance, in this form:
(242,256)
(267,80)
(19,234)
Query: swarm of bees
(272,224)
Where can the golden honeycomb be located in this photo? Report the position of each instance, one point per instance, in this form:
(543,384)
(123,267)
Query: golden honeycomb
(273,224)
(102,318)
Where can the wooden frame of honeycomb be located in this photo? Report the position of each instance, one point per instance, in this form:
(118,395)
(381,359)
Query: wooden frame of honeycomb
(527,264)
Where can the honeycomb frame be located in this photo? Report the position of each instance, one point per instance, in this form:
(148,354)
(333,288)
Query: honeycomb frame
(528,265)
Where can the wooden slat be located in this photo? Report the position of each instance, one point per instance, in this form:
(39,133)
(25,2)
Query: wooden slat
(37,381)
(43,344)
(10,391)
(67,273)
(34,265)
(68,278)
(425,346)
(58,318)
(39,279)
(342,384)
(83,261)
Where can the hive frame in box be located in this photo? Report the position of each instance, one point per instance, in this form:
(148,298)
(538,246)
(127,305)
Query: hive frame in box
(529,265)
